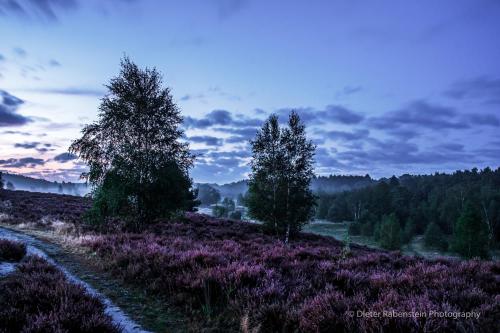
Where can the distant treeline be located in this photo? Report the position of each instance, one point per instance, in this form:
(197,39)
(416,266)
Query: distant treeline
(213,193)
(459,211)
(24,183)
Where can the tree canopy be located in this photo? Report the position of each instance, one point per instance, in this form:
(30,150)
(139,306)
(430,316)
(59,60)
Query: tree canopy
(279,191)
(137,160)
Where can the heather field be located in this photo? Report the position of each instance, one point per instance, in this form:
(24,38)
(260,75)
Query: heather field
(229,276)
(37,297)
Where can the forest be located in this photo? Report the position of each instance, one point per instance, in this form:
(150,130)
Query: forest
(455,211)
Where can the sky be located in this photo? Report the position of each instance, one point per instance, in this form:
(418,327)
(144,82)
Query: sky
(384,87)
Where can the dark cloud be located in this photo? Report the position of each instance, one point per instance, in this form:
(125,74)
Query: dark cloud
(347,136)
(330,114)
(8,107)
(65,157)
(206,139)
(220,118)
(397,153)
(484,119)
(26,162)
(420,114)
(485,89)
(38,146)
(190,97)
(27,145)
(2,58)
(451,147)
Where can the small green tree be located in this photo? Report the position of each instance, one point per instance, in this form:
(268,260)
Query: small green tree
(434,237)
(389,232)
(408,231)
(470,238)
(282,169)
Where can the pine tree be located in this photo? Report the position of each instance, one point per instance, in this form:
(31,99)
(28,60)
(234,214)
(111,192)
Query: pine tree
(282,169)
(470,238)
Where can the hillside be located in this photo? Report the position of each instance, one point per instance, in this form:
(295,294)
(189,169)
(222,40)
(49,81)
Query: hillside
(226,275)
(25,183)
(319,184)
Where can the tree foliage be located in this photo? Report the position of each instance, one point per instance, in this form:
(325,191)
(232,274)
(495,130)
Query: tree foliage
(422,200)
(137,161)
(207,195)
(389,232)
(471,239)
(282,168)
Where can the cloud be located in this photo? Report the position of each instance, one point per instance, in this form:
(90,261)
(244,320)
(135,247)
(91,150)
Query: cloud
(65,157)
(227,8)
(330,114)
(347,136)
(45,9)
(484,119)
(27,145)
(206,139)
(26,162)
(483,88)
(189,97)
(20,52)
(8,107)
(17,132)
(422,114)
(54,63)
(2,57)
(72,91)
(220,118)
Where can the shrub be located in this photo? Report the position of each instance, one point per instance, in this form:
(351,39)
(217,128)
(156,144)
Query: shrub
(236,215)
(11,250)
(389,233)
(355,228)
(434,237)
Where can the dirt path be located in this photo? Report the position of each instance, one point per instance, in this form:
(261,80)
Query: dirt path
(131,308)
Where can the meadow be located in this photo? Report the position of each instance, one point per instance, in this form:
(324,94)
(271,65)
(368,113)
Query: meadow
(230,276)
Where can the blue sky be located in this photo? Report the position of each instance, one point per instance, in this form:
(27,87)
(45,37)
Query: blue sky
(385,87)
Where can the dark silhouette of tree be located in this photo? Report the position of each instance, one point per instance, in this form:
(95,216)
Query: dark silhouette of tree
(10,186)
(282,169)
(471,237)
(137,163)
(207,195)
(1,181)
(389,233)
(434,237)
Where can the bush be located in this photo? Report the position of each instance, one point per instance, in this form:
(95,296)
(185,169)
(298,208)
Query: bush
(434,237)
(11,250)
(470,237)
(355,228)
(37,297)
(389,233)
(236,215)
